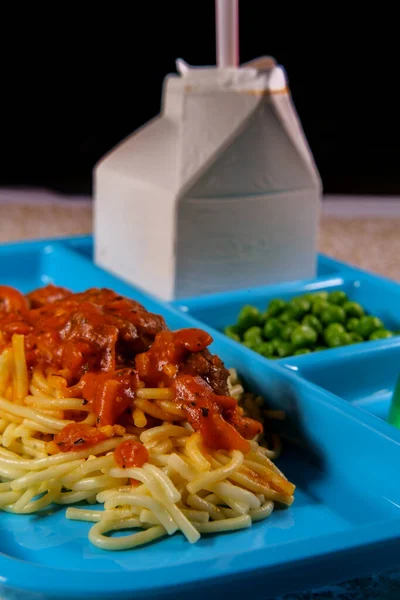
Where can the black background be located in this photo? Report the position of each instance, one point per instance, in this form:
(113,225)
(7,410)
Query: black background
(76,79)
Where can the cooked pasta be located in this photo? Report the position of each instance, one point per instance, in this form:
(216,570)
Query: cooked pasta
(157,441)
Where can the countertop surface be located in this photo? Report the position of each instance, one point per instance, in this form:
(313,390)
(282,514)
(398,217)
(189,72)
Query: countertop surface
(362,231)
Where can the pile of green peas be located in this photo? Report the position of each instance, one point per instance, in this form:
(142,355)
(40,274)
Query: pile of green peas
(305,324)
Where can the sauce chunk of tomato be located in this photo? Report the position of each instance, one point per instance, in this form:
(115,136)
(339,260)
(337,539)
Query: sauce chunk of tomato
(163,359)
(131,454)
(216,417)
(78,436)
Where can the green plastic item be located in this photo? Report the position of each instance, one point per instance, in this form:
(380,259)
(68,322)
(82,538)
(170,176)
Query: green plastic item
(394,410)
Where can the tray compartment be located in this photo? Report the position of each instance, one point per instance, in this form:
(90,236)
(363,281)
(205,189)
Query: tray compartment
(364,376)
(23,268)
(346,503)
(343,497)
(219,310)
(81,244)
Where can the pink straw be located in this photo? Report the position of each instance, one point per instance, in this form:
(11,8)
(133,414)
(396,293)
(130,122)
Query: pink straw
(227,33)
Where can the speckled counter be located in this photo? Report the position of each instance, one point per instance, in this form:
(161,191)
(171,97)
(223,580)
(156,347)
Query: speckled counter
(370,242)
(24,221)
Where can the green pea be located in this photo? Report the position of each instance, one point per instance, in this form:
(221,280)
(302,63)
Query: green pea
(334,328)
(275,342)
(272,328)
(231,329)
(232,332)
(333,314)
(368,325)
(346,339)
(312,321)
(308,297)
(356,338)
(353,309)
(334,341)
(303,336)
(235,337)
(265,349)
(352,324)
(253,336)
(318,306)
(302,351)
(283,348)
(275,307)
(322,295)
(337,297)
(380,334)
(287,315)
(320,348)
(333,335)
(300,306)
(248,345)
(249,316)
(287,330)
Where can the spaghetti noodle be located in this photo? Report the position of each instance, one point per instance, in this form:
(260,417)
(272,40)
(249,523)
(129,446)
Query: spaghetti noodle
(101,404)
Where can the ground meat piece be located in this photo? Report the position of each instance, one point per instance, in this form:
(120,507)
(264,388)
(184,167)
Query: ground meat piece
(146,323)
(12,301)
(210,367)
(76,333)
(112,329)
(46,295)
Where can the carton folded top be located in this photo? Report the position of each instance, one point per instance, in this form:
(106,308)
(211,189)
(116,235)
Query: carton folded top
(221,132)
(258,76)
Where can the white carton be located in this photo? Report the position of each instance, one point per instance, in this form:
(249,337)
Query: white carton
(218,192)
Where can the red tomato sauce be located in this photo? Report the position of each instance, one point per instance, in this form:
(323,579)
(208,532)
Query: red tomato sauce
(106,347)
(131,454)
(216,417)
(78,436)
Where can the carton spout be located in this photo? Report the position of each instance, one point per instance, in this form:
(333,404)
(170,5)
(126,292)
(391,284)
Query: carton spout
(259,75)
(263,63)
(182,66)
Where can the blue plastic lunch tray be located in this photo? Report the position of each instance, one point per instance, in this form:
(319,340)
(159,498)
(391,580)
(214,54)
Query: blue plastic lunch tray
(338,450)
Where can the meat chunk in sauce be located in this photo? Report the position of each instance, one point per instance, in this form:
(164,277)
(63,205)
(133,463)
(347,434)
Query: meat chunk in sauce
(93,330)
(76,333)
(107,347)
(46,295)
(210,368)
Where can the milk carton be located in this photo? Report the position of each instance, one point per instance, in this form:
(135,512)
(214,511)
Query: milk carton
(218,192)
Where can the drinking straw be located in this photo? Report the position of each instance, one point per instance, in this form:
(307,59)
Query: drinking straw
(227,33)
